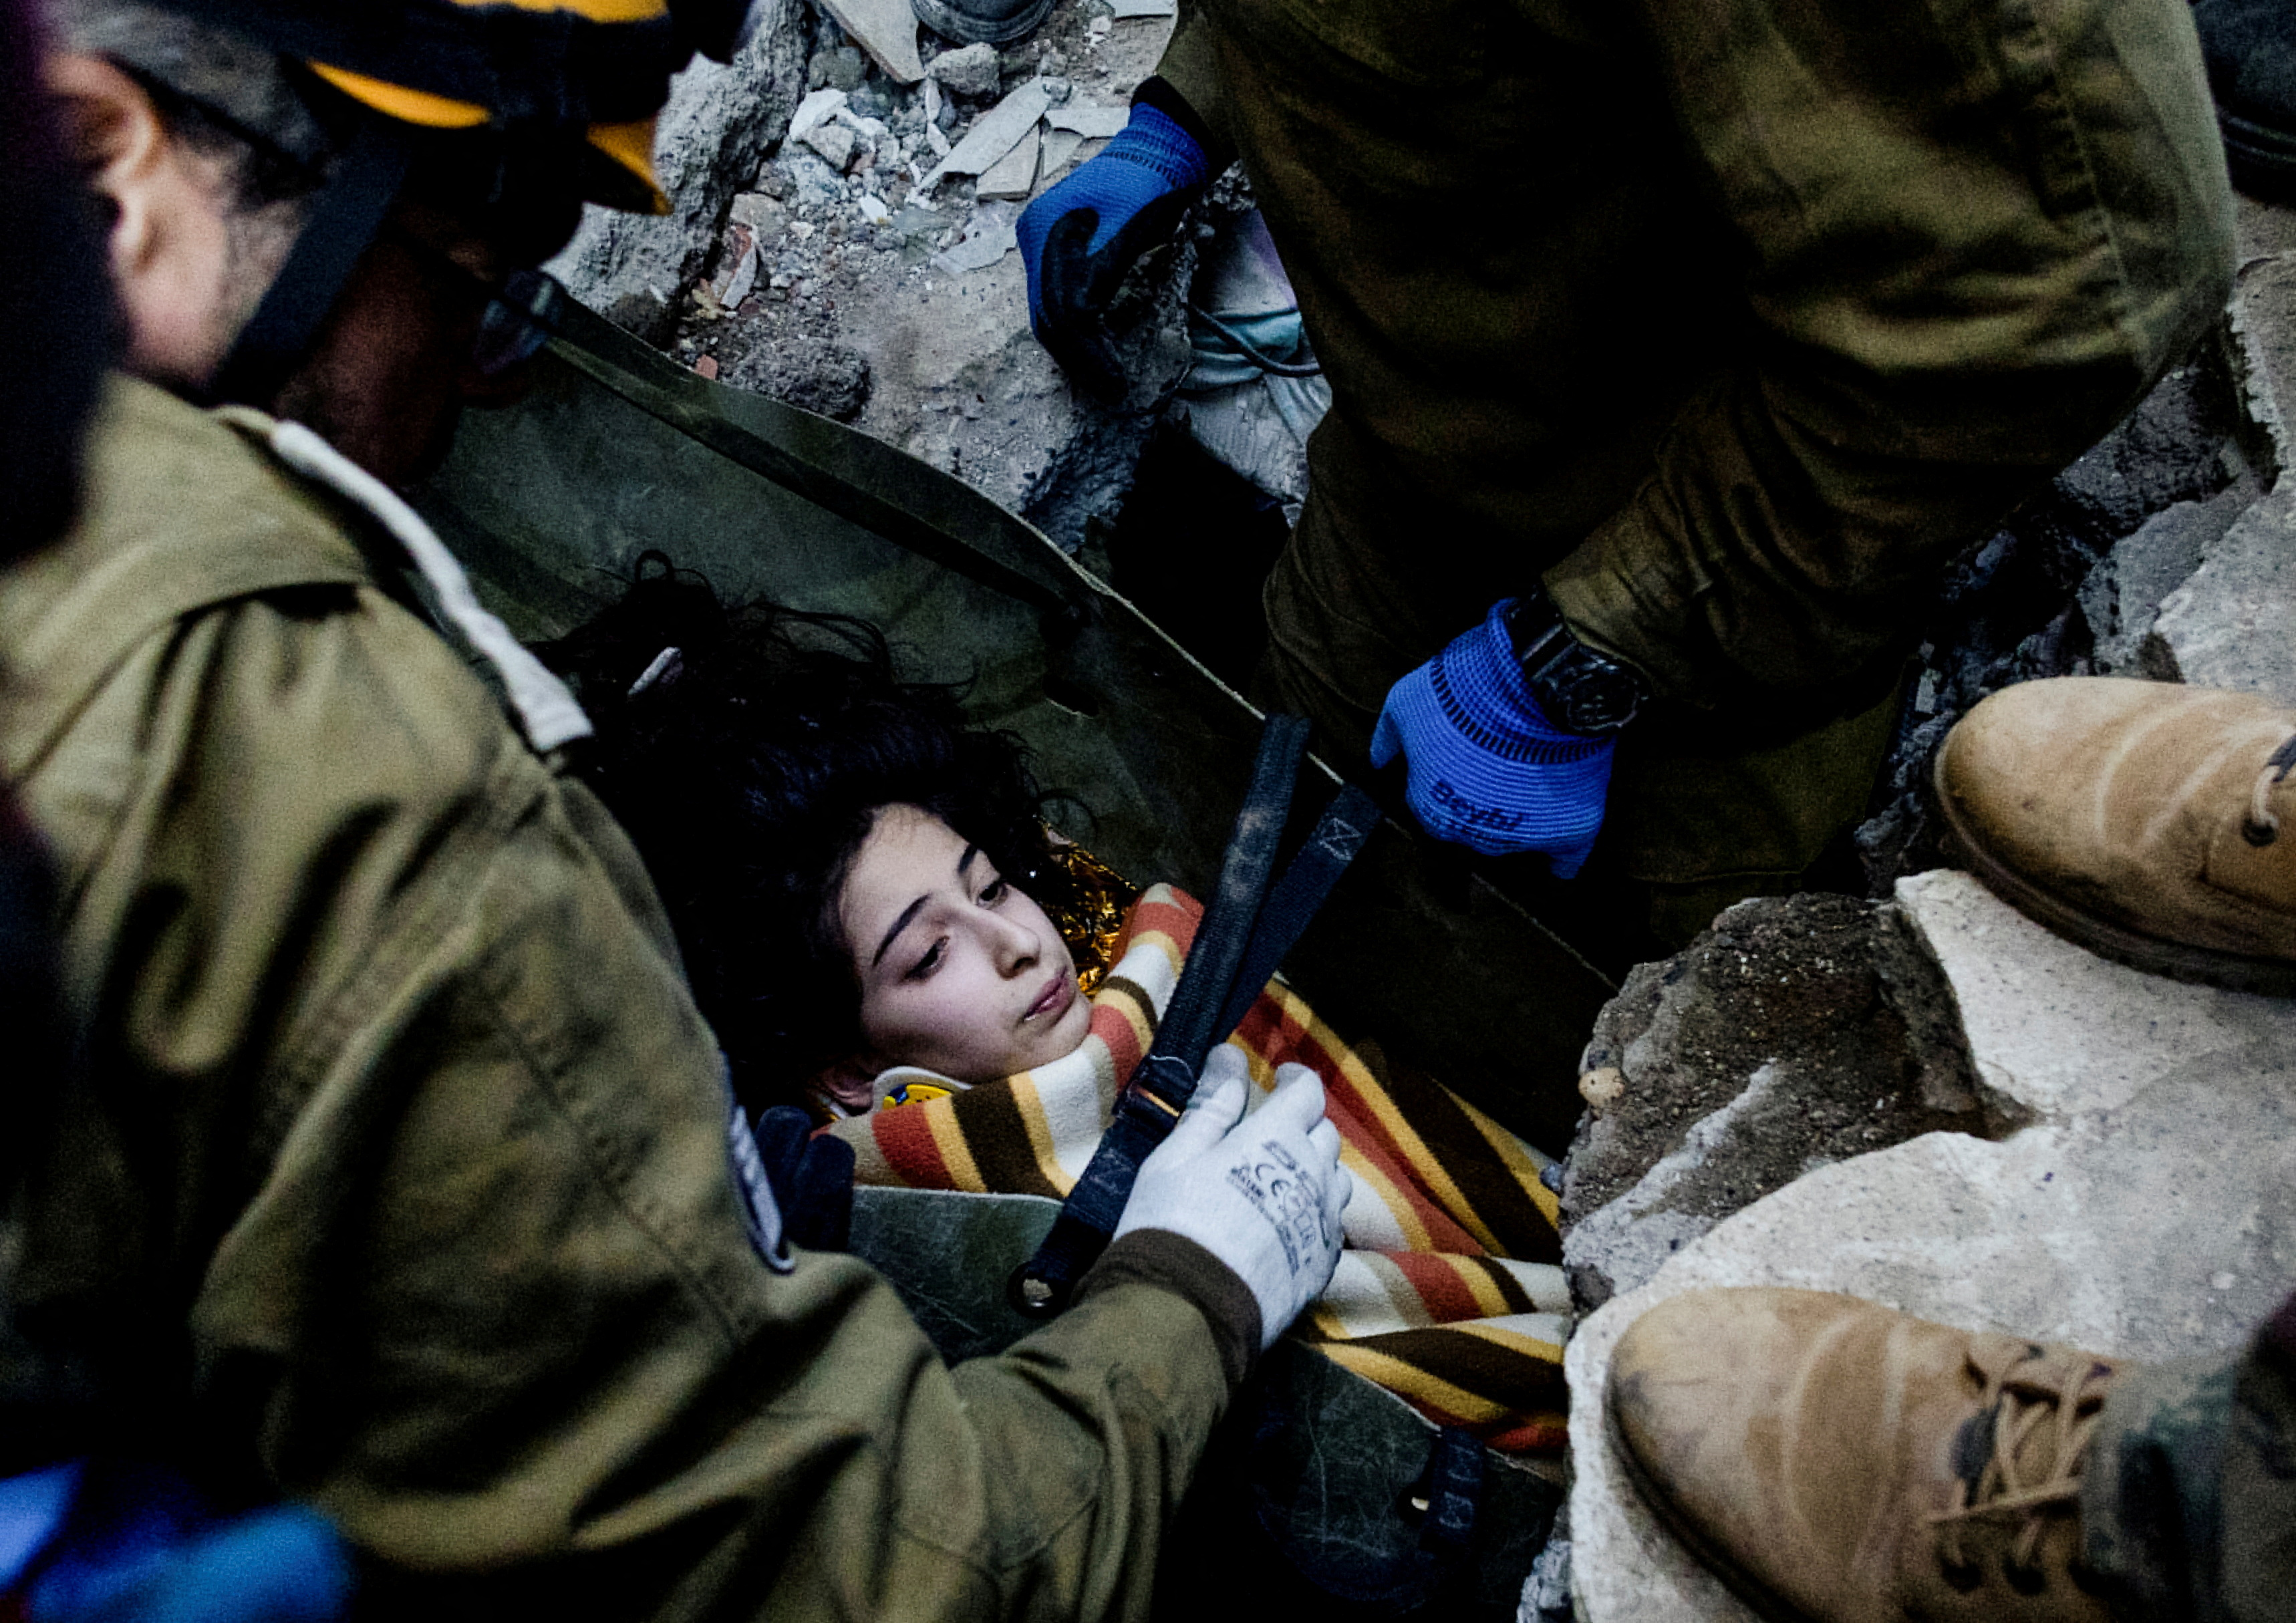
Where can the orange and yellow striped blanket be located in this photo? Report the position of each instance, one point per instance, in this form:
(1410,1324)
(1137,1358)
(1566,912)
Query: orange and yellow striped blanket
(1449,1295)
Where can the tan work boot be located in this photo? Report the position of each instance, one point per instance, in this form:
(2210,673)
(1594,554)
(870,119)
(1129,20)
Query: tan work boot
(2151,822)
(1835,1462)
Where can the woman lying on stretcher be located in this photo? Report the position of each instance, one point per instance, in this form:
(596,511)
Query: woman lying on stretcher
(865,896)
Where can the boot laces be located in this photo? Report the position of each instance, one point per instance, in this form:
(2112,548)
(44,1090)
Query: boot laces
(2263,826)
(2052,1396)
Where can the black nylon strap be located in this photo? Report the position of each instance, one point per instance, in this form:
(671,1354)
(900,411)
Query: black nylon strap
(1244,935)
(345,217)
(1187,1033)
(1339,834)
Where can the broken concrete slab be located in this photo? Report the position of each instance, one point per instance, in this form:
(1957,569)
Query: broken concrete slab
(2053,1028)
(994,134)
(954,372)
(887,29)
(1796,1032)
(1059,148)
(1092,123)
(2234,623)
(2264,327)
(1012,175)
(2148,1211)
(2121,597)
(716,129)
(1125,9)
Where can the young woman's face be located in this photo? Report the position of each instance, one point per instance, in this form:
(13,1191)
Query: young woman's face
(960,973)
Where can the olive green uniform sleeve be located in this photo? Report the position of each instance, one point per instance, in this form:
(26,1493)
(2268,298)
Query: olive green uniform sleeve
(1727,320)
(399,1101)
(1189,66)
(1969,238)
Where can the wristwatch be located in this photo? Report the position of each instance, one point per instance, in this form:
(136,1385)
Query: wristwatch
(1580,689)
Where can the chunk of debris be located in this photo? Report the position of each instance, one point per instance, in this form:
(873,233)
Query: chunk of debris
(705,365)
(1601,1088)
(1123,9)
(988,237)
(757,210)
(1090,123)
(1014,174)
(816,110)
(933,100)
(887,29)
(974,71)
(833,142)
(837,66)
(810,373)
(994,134)
(742,270)
(812,182)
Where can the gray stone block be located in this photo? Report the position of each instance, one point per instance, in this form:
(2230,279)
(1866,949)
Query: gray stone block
(2121,597)
(1797,1031)
(2264,326)
(2234,623)
(2149,1209)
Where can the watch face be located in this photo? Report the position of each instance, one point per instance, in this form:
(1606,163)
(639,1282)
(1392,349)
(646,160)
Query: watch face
(1590,694)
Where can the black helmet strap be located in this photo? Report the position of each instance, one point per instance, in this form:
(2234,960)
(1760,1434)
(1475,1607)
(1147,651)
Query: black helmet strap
(346,214)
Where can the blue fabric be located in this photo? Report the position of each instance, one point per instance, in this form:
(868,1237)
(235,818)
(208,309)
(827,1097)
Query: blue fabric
(140,1543)
(1487,769)
(1151,157)
(32,1511)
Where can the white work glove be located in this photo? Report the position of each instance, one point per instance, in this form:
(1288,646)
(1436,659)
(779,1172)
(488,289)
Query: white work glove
(1262,1192)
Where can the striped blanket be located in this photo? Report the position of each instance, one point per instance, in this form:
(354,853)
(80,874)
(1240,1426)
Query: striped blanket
(1449,1294)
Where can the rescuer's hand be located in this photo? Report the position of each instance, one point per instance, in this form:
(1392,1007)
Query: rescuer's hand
(1486,769)
(1079,239)
(1262,1192)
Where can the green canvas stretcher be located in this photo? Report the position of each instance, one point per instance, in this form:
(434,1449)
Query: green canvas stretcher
(619,451)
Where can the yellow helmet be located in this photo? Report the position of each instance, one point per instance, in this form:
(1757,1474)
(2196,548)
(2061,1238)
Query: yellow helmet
(584,78)
(601,68)
(627,180)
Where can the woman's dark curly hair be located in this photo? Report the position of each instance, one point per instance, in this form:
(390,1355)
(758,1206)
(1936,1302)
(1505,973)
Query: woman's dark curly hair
(748,766)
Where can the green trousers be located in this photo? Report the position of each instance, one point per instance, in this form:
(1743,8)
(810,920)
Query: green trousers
(2188,1504)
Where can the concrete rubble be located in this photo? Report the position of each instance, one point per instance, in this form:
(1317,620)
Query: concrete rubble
(2154,555)
(844,242)
(2047,1143)
(2146,1208)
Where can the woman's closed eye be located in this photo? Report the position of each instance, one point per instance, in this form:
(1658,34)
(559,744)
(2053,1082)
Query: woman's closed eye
(923,969)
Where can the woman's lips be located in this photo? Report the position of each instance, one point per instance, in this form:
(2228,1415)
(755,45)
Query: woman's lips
(1053,1000)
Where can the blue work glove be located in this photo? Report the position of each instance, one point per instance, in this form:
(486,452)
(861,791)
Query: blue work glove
(1487,768)
(1079,239)
(135,1542)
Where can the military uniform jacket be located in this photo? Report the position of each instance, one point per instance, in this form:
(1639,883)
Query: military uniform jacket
(397,1169)
(1729,320)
